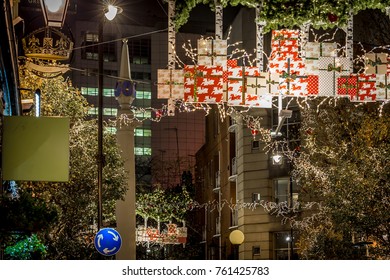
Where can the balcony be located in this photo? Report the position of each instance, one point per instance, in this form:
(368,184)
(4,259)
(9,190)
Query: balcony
(217,181)
(233,177)
(217,226)
(234,218)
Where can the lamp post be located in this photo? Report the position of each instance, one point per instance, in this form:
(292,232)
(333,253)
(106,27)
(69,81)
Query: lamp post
(109,14)
(236,237)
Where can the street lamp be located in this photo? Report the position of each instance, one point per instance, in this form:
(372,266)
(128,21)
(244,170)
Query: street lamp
(236,237)
(112,11)
(110,15)
(277,159)
(54,12)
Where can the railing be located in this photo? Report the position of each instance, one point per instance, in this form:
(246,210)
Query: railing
(234,219)
(234,166)
(218,226)
(218,179)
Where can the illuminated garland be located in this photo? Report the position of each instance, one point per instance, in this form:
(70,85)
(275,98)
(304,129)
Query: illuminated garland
(321,13)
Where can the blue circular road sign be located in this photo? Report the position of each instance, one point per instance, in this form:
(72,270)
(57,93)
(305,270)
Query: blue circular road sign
(107,241)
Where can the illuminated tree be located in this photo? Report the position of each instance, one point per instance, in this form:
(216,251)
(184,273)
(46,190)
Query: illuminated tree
(71,237)
(344,165)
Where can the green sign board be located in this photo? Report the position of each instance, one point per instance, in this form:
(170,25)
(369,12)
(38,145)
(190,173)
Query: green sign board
(36,148)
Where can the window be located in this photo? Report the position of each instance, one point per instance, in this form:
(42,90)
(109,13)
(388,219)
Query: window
(89,91)
(141,151)
(145,115)
(110,111)
(143,132)
(90,48)
(283,244)
(255,144)
(108,92)
(144,94)
(139,51)
(106,111)
(141,75)
(282,190)
(92,111)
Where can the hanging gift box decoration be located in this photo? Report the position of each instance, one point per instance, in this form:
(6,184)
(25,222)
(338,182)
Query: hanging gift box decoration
(153,234)
(312,85)
(315,50)
(212,52)
(266,84)
(367,88)
(291,79)
(257,94)
(330,69)
(376,63)
(170,83)
(236,83)
(347,86)
(284,44)
(203,83)
(247,86)
(172,228)
(142,236)
(359,87)
(182,235)
(382,87)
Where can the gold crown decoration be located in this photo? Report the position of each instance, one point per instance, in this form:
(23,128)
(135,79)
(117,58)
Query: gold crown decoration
(47,43)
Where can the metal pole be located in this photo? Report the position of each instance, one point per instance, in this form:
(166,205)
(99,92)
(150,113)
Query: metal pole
(100,156)
(291,206)
(177,150)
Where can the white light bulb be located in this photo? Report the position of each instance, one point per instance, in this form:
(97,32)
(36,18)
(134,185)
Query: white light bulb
(277,158)
(112,11)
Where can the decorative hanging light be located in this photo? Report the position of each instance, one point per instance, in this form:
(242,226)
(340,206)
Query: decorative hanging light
(54,12)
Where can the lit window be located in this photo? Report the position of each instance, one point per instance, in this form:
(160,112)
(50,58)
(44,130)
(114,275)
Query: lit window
(283,191)
(89,91)
(110,111)
(139,151)
(144,95)
(143,115)
(109,92)
(143,132)
(91,37)
(90,48)
(283,244)
(92,111)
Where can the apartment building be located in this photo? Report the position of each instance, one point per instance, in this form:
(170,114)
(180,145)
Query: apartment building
(235,175)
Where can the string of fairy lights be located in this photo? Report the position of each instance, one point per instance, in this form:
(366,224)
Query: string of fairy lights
(243,116)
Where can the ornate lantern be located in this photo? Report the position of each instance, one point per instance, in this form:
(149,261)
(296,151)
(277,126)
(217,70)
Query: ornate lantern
(54,12)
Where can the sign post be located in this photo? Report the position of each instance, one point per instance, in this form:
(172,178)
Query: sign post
(108,241)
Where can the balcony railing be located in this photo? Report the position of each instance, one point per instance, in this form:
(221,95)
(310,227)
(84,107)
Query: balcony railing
(234,166)
(218,226)
(234,219)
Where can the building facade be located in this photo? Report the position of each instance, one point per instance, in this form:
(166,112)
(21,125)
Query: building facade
(235,177)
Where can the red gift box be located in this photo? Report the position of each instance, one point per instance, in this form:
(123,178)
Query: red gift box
(357,87)
(284,44)
(203,83)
